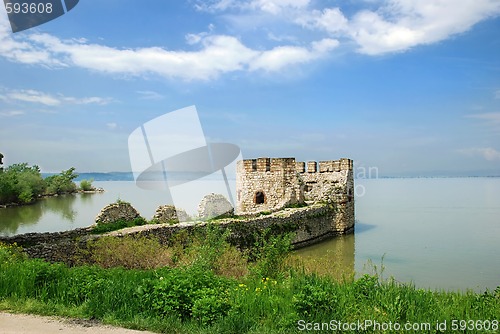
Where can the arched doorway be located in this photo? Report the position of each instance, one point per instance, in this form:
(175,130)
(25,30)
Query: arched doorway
(260,198)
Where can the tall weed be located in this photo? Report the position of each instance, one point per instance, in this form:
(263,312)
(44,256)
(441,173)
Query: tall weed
(130,253)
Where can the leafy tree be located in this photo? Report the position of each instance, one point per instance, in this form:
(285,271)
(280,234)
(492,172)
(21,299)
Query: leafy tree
(61,183)
(21,183)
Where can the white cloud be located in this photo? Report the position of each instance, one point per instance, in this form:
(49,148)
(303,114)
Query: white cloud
(149,95)
(402,24)
(34,96)
(283,56)
(197,38)
(215,5)
(491,120)
(31,96)
(281,38)
(86,100)
(277,6)
(217,55)
(331,20)
(269,6)
(491,116)
(12,113)
(487,153)
(23,51)
(111,126)
(395,26)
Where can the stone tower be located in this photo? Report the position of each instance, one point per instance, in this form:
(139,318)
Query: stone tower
(266,184)
(269,184)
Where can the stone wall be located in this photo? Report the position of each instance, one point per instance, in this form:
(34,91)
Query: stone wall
(310,224)
(52,246)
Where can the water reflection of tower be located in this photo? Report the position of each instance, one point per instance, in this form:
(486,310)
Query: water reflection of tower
(334,257)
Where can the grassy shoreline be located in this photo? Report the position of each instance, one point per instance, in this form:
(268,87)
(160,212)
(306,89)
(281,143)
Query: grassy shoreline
(197,290)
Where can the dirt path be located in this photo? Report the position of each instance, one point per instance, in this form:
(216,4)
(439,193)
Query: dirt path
(32,324)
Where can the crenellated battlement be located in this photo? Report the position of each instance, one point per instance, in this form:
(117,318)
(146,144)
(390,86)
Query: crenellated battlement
(324,166)
(268,164)
(289,164)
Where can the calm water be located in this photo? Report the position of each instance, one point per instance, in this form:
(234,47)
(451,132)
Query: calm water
(438,233)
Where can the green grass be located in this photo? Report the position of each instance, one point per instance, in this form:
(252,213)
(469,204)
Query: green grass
(193,298)
(100,227)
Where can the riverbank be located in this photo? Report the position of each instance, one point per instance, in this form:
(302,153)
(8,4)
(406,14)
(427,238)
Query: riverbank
(200,292)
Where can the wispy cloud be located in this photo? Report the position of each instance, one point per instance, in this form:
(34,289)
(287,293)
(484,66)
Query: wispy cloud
(150,95)
(270,6)
(490,120)
(488,153)
(50,100)
(11,113)
(491,116)
(111,126)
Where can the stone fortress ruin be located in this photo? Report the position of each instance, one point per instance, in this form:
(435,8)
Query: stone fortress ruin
(271,184)
(314,201)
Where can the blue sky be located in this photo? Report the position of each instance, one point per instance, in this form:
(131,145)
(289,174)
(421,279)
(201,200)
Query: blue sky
(411,87)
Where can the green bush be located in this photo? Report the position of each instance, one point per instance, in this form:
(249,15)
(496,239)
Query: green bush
(20,183)
(86,185)
(314,296)
(270,252)
(101,227)
(189,292)
(366,286)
